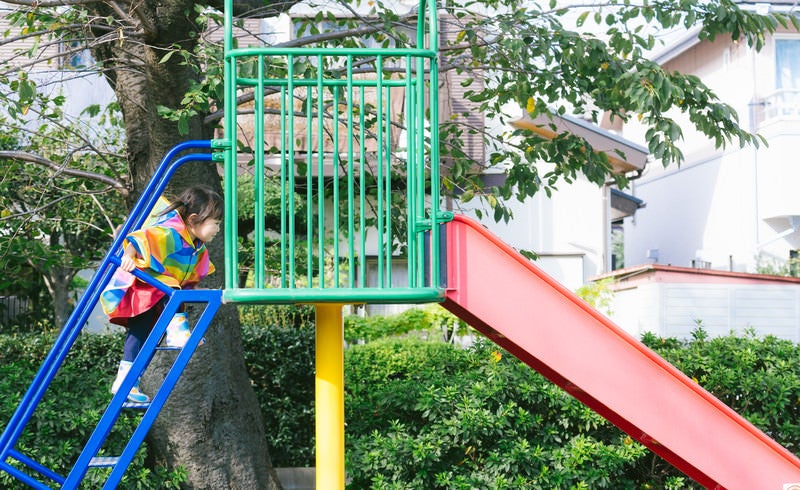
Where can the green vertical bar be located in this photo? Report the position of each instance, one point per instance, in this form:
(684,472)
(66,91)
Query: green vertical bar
(350,189)
(309,186)
(231,226)
(435,239)
(420,165)
(320,174)
(258,216)
(411,222)
(379,182)
(388,146)
(287,173)
(282,180)
(362,200)
(433,39)
(335,161)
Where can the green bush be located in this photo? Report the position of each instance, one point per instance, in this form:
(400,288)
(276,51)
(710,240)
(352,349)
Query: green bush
(280,362)
(71,408)
(429,415)
(420,414)
(431,319)
(758,377)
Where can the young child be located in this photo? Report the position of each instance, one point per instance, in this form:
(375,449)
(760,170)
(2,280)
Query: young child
(171,247)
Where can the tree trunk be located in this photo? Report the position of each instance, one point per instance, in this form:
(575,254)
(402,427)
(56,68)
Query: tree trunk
(58,279)
(212,424)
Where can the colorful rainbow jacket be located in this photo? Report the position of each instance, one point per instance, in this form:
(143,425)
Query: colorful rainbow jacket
(166,252)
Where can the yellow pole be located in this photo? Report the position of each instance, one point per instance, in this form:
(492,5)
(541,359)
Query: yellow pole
(329,386)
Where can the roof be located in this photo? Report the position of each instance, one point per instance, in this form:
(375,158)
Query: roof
(548,126)
(682,40)
(651,273)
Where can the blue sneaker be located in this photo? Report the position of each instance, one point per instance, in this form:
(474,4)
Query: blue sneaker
(136,396)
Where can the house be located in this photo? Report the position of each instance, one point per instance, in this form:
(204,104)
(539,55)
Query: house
(724,215)
(672,301)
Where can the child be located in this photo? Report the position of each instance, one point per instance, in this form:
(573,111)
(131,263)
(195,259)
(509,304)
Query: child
(171,247)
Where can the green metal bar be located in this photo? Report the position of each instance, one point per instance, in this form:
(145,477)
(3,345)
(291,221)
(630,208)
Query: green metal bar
(282,82)
(309,187)
(379,217)
(333,295)
(321,172)
(282,179)
(362,188)
(419,121)
(231,213)
(351,262)
(410,174)
(434,152)
(386,150)
(336,208)
(289,169)
(337,52)
(292,279)
(258,215)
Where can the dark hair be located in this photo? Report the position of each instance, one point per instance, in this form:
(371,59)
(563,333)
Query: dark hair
(201,200)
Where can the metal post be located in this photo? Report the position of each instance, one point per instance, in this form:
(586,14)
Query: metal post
(330,397)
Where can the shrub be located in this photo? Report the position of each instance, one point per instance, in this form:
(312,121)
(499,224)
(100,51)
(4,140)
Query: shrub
(432,320)
(430,415)
(280,362)
(71,408)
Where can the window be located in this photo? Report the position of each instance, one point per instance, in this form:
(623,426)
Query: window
(787,64)
(74,56)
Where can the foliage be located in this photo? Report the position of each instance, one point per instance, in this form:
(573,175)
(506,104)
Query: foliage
(598,294)
(279,353)
(448,418)
(420,414)
(72,407)
(427,415)
(766,264)
(54,224)
(757,377)
(540,57)
(431,321)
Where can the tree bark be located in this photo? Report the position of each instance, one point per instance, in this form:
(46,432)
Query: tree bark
(211,425)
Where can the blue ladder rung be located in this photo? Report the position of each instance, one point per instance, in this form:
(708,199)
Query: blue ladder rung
(103,461)
(23,477)
(33,465)
(136,405)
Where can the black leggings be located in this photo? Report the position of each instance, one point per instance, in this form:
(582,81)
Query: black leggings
(138,329)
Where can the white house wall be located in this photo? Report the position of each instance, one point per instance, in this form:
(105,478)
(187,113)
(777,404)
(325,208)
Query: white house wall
(676,309)
(720,205)
(566,230)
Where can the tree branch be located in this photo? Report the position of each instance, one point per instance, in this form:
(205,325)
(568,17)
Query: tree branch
(32,158)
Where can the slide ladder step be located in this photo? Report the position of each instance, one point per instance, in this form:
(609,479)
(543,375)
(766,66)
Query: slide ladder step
(103,461)
(136,405)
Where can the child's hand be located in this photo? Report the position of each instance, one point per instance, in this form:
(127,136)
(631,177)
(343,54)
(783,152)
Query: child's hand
(127,264)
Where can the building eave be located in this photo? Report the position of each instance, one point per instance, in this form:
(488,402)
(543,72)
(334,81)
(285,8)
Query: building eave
(614,146)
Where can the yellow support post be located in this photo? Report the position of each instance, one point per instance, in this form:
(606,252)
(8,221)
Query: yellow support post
(329,384)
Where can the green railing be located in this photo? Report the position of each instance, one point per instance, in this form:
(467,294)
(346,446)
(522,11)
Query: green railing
(346,134)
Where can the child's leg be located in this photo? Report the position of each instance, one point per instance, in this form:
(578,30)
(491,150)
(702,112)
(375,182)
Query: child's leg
(138,329)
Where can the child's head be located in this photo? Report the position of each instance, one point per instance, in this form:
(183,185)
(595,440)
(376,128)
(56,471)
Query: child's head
(199,205)
(200,200)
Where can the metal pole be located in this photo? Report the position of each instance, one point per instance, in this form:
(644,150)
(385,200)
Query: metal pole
(329,395)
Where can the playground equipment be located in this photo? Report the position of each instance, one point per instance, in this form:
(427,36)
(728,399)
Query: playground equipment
(352,128)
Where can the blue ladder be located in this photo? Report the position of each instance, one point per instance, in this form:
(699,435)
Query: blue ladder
(212,299)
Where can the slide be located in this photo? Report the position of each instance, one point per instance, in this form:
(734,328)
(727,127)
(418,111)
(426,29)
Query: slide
(519,307)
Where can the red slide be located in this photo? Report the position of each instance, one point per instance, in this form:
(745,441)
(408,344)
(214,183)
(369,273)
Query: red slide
(522,309)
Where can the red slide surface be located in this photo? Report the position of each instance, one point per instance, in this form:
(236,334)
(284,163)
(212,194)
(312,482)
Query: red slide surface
(522,309)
